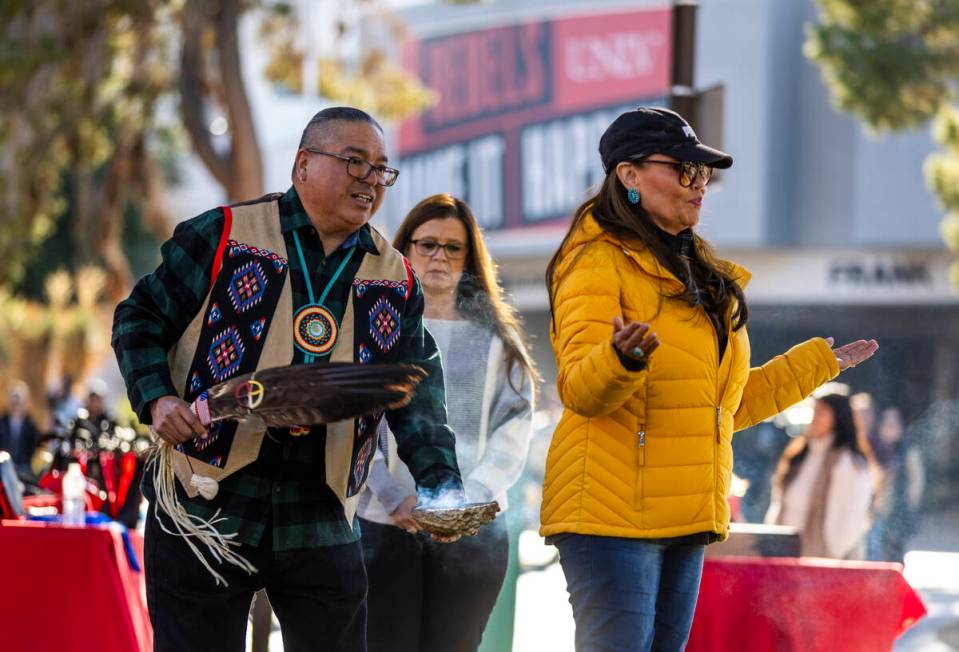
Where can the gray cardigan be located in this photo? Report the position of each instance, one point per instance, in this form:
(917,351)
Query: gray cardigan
(492,422)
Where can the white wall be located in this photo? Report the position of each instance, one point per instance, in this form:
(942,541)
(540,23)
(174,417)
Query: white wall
(731,37)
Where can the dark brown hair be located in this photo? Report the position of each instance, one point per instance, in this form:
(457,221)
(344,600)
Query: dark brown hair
(479,296)
(717,292)
(845,435)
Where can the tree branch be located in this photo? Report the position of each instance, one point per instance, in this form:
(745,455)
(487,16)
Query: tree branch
(152,186)
(190,85)
(108,227)
(246,162)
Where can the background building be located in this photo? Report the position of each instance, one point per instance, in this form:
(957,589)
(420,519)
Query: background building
(836,225)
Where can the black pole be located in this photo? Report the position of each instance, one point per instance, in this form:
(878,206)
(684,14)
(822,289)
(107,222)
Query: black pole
(682,97)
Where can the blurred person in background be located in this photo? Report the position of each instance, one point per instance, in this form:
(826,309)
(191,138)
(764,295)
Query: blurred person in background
(825,483)
(897,507)
(864,414)
(425,595)
(653,356)
(757,452)
(18,432)
(95,404)
(62,403)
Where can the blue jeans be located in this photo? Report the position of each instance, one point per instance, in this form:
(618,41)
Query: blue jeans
(630,594)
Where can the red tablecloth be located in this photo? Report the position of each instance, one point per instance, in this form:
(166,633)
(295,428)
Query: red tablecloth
(802,605)
(69,589)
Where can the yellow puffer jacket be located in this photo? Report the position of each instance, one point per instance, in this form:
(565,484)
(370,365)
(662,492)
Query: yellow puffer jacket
(649,454)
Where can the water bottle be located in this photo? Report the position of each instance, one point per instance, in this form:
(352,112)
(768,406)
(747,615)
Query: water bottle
(74,489)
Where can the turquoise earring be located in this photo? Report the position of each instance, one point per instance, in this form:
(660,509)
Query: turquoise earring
(633,196)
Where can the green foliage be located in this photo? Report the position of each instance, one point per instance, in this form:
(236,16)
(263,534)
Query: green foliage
(942,173)
(890,63)
(73,76)
(945,129)
(141,245)
(894,64)
(55,251)
(949,227)
(81,153)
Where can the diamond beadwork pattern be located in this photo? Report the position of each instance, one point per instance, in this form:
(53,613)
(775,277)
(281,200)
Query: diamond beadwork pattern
(384,324)
(247,286)
(225,354)
(214,315)
(257,328)
(364,354)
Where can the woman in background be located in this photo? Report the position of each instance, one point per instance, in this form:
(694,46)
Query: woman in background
(896,511)
(825,483)
(423,594)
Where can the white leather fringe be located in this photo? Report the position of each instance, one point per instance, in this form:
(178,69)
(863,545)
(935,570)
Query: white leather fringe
(195,531)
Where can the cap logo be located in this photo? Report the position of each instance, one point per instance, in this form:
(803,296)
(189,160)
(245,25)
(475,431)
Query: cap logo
(689,131)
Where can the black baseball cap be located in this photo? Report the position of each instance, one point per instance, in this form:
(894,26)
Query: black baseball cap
(649,130)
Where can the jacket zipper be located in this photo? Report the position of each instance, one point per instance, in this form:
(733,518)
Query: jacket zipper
(719,398)
(719,421)
(639,490)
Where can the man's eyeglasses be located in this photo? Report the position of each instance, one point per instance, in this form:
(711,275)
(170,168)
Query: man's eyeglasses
(428,248)
(688,171)
(360,169)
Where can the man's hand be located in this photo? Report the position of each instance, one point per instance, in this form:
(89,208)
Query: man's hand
(174,421)
(401,515)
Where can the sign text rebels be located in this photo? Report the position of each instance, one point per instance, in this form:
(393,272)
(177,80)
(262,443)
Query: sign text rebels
(487,72)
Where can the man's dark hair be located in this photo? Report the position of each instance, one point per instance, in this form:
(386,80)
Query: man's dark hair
(321,120)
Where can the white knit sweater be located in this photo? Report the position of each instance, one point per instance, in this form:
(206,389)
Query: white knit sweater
(847,505)
(492,422)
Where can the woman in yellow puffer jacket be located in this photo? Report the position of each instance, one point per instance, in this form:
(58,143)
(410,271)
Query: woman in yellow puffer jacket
(639,467)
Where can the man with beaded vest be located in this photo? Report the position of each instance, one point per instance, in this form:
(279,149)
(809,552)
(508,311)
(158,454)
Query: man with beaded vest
(298,277)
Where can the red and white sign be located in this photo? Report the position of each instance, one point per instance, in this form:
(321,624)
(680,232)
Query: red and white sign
(612,58)
(522,108)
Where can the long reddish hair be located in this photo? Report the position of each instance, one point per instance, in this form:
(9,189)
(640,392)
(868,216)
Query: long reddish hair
(479,296)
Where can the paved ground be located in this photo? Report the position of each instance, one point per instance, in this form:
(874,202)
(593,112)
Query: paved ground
(544,620)
(932,567)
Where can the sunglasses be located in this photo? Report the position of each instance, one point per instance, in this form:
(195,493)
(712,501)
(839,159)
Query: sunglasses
(688,171)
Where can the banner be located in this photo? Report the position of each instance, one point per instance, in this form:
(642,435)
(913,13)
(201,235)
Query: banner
(521,111)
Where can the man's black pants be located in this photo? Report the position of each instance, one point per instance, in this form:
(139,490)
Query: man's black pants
(318,595)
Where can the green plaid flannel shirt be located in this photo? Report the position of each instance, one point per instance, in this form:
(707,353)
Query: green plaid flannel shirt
(284,491)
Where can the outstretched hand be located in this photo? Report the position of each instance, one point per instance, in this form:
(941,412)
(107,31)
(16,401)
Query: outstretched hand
(850,355)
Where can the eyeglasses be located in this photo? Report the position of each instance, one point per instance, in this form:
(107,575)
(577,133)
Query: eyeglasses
(428,248)
(688,171)
(360,169)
